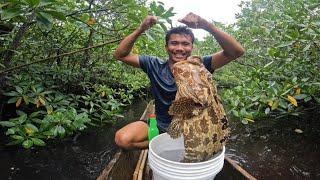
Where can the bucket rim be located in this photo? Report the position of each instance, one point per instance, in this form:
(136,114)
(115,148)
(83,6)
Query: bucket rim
(169,175)
(219,154)
(186,171)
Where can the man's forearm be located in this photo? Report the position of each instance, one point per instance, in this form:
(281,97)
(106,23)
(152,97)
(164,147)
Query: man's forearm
(230,46)
(127,43)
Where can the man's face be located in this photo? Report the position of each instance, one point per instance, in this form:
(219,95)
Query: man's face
(179,47)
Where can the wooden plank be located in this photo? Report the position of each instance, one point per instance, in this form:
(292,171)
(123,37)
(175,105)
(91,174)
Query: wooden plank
(143,163)
(136,171)
(110,166)
(240,169)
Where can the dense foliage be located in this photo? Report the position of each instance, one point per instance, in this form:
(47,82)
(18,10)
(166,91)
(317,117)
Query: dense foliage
(279,74)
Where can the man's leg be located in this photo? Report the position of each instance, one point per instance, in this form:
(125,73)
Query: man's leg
(133,136)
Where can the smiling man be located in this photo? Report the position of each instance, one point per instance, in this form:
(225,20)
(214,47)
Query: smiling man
(179,46)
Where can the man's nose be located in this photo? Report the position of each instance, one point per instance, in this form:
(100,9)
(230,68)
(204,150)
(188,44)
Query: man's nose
(180,47)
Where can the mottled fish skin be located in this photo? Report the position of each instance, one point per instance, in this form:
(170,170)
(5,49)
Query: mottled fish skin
(197,111)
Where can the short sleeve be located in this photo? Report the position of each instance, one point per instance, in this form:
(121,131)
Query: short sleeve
(144,62)
(207,61)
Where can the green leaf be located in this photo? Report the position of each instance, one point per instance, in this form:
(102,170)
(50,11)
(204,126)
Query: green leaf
(12,93)
(33,3)
(7,123)
(33,88)
(61,130)
(27,144)
(15,142)
(56,14)
(307,47)
(294,80)
(10,131)
(48,133)
(17,137)
(46,3)
(273,52)
(10,13)
(235,113)
(19,89)
(54,131)
(22,118)
(32,127)
(26,99)
(21,113)
(268,64)
(243,112)
(35,114)
(285,44)
(13,100)
(44,19)
(283,104)
(38,142)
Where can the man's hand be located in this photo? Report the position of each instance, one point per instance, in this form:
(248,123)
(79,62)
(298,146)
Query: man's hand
(148,22)
(123,52)
(194,21)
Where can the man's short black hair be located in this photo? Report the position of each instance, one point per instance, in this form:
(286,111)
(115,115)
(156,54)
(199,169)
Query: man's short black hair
(179,30)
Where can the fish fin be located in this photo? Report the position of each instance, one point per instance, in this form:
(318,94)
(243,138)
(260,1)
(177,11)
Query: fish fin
(181,106)
(175,129)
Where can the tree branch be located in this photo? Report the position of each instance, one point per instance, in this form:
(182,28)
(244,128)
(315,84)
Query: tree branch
(61,55)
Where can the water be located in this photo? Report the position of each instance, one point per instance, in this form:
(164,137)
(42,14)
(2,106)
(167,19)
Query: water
(173,155)
(271,149)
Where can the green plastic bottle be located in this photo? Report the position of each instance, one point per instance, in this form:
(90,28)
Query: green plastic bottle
(153,130)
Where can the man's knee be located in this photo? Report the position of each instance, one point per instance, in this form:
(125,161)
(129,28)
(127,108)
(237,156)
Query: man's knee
(122,139)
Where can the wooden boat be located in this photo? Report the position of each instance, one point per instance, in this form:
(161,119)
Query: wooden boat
(127,165)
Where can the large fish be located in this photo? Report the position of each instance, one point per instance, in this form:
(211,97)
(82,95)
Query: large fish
(197,111)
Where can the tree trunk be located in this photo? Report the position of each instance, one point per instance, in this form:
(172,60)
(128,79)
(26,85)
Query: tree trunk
(9,53)
(86,59)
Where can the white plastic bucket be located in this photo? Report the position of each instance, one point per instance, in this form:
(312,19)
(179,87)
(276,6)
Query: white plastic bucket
(165,169)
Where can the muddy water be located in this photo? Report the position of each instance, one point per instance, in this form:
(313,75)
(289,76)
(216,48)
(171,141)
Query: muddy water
(83,156)
(268,149)
(271,149)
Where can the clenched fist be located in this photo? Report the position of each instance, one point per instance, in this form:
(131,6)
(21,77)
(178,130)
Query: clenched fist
(194,21)
(148,22)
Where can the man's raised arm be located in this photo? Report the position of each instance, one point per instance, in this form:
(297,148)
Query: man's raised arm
(123,52)
(231,48)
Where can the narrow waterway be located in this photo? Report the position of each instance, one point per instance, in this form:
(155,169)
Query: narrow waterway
(268,149)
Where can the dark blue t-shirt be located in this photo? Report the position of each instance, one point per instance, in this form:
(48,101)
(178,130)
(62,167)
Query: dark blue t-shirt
(163,85)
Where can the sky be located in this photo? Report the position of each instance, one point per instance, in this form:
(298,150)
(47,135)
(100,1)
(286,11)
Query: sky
(217,10)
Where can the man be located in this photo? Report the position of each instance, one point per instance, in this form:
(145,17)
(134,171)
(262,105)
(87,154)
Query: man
(179,45)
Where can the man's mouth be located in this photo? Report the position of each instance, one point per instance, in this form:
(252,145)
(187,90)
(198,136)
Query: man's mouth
(179,56)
